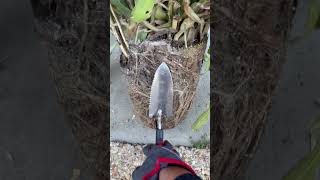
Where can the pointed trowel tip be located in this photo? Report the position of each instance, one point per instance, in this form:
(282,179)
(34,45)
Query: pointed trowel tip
(163,65)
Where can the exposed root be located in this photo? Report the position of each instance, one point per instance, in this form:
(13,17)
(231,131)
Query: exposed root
(184,65)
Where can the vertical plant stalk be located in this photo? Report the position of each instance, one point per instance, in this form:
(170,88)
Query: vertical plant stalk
(118,33)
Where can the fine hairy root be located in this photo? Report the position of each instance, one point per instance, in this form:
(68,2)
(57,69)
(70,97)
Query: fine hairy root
(249,48)
(75,34)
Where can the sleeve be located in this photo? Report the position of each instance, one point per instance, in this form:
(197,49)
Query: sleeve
(188,176)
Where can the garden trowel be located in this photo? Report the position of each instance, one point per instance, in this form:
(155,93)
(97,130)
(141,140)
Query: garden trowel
(161,99)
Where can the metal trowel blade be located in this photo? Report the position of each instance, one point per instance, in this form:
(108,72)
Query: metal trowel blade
(161,96)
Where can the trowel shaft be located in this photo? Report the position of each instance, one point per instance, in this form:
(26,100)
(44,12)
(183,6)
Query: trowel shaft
(159,131)
(159,136)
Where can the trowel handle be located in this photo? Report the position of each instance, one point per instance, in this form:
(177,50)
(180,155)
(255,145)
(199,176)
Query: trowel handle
(159,136)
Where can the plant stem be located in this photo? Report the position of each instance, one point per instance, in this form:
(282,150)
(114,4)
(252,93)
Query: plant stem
(118,33)
(152,27)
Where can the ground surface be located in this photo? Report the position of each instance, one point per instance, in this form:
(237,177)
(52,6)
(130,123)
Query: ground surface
(36,144)
(124,126)
(125,158)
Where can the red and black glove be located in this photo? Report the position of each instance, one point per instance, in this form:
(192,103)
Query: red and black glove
(158,157)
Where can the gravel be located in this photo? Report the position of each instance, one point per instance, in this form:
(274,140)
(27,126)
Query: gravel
(124,158)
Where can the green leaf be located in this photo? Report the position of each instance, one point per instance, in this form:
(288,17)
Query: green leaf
(160,14)
(142,35)
(142,10)
(313,16)
(306,167)
(201,121)
(121,8)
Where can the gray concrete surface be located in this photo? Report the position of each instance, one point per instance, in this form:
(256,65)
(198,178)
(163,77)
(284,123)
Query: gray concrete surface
(35,141)
(126,127)
(286,137)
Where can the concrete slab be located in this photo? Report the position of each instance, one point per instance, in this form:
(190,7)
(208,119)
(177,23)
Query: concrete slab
(127,127)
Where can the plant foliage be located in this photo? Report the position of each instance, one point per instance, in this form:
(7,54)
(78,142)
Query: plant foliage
(306,168)
(142,10)
(201,121)
(313,21)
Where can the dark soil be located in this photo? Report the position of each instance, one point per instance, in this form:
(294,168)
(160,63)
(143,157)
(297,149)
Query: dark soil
(249,48)
(75,34)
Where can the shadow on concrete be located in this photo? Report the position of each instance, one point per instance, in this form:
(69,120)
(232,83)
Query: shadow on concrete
(35,141)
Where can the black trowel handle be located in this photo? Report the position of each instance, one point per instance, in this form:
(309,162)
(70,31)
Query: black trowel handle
(159,137)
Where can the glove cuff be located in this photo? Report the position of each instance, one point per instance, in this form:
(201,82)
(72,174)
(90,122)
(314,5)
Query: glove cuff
(168,161)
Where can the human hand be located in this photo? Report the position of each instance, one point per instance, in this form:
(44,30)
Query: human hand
(158,157)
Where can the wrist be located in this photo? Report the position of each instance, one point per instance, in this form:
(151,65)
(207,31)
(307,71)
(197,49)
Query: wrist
(172,172)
